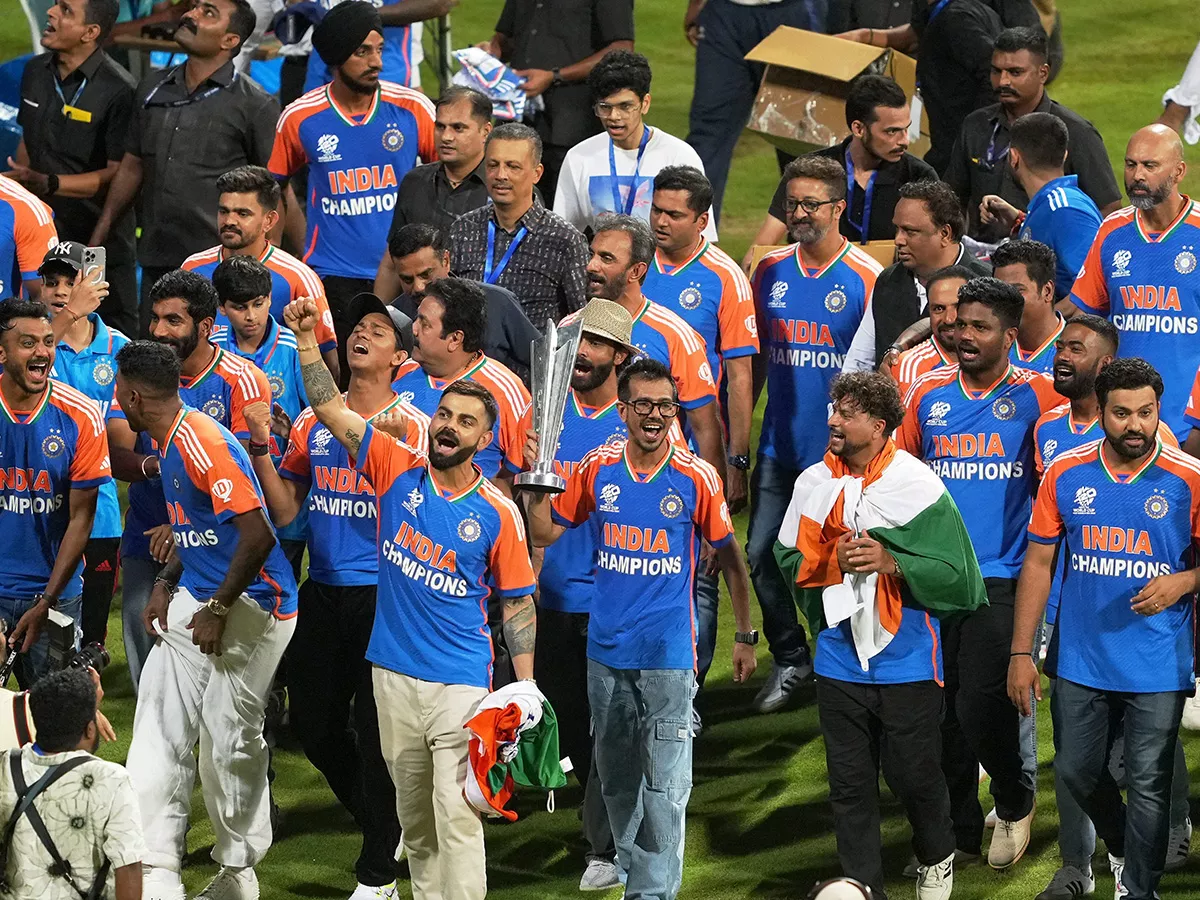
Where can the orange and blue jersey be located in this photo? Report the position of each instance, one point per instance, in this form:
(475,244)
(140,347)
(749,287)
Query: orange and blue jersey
(709,292)
(980,443)
(442,556)
(664,336)
(26,233)
(92,371)
(507,448)
(1057,432)
(646,527)
(1118,531)
(58,446)
(916,361)
(354,169)
(1041,358)
(1147,284)
(807,318)
(278,359)
(222,391)
(290,280)
(914,653)
(343,519)
(207,481)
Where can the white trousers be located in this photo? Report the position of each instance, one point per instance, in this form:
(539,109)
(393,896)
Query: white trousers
(185,696)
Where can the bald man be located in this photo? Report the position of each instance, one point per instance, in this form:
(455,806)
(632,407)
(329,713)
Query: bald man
(1141,270)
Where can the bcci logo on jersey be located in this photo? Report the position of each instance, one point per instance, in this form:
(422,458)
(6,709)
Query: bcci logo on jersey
(53,445)
(671,505)
(1048,449)
(276,384)
(1157,506)
(608,498)
(937,415)
(1004,409)
(778,290)
(1185,262)
(320,441)
(214,408)
(102,373)
(689,298)
(469,530)
(393,139)
(1084,497)
(327,146)
(415,499)
(835,300)
(1121,264)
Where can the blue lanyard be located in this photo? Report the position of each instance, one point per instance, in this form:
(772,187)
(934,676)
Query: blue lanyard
(186,101)
(58,89)
(863,225)
(991,157)
(937,9)
(627,206)
(490,275)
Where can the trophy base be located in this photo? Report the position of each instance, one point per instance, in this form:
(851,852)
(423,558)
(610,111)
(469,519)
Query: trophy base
(541,482)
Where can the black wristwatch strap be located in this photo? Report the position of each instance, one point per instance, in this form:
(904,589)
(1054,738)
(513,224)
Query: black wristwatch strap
(745,637)
(259,449)
(51,184)
(738,461)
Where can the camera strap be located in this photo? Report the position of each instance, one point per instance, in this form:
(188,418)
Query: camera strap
(25,796)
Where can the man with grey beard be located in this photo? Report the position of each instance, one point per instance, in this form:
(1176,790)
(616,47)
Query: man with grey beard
(1140,271)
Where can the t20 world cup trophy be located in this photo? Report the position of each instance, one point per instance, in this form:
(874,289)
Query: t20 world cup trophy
(551,367)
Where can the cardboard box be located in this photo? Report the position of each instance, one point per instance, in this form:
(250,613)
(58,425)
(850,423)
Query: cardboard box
(801,103)
(884,252)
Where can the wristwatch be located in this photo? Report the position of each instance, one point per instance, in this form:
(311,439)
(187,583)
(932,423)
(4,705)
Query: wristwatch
(738,462)
(746,637)
(558,79)
(217,608)
(51,602)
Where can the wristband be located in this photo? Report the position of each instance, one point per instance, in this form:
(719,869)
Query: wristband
(145,474)
(307,347)
(259,449)
(171,586)
(51,185)
(1019,653)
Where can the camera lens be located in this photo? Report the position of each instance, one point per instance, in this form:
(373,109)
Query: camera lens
(94,655)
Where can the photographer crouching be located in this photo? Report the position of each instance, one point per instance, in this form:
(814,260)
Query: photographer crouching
(71,826)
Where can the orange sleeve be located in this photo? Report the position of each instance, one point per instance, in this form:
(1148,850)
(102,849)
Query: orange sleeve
(508,558)
(908,435)
(218,475)
(287,153)
(693,375)
(736,318)
(711,514)
(513,437)
(1090,291)
(296,460)
(1046,523)
(426,145)
(1048,397)
(383,459)
(1166,435)
(1039,463)
(250,388)
(578,501)
(90,465)
(34,235)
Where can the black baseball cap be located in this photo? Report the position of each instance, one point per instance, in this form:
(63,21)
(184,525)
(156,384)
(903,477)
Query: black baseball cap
(365,304)
(63,255)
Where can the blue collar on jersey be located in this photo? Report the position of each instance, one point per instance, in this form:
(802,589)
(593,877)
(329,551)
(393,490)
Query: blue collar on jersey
(102,340)
(266,349)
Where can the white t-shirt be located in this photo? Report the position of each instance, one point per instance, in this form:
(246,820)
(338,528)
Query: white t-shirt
(585,184)
(1187,93)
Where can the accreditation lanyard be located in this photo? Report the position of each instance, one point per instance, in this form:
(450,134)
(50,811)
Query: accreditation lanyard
(492,275)
(864,224)
(937,9)
(184,101)
(627,206)
(67,107)
(991,157)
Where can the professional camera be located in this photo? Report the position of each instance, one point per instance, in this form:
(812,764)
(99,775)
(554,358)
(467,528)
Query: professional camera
(60,631)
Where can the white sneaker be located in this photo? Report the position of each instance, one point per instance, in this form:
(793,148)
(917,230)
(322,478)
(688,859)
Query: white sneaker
(1191,711)
(990,820)
(1179,844)
(1117,867)
(231,884)
(1009,841)
(1069,882)
(161,884)
(782,681)
(375,892)
(935,882)
(961,858)
(600,875)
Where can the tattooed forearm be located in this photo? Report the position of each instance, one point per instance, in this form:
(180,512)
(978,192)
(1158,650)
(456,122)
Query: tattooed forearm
(353,441)
(318,383)
(520,625)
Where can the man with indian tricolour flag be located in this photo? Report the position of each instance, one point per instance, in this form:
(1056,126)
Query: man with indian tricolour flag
(876,551)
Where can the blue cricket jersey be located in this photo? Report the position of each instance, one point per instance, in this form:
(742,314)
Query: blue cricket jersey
(1065,219)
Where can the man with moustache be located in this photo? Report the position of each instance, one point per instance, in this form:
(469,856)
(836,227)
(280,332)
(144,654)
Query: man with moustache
(359,136)
(877,163)
(938,349)
(247,210)
(183,307)
(1128,483)
(337,601)
(811,300)
(190,125)
(430,645)
(1140,270)
(973,425)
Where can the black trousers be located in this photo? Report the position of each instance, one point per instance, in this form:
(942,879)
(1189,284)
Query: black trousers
(328,674)
(101,559)
(981,725)
(560,666)
(855,719)
(339,291)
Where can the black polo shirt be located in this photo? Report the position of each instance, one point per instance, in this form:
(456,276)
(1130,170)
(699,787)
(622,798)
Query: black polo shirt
(877,14)
(186,141)
(884,195)
(85,141)
(979,163)
(425,197)
(552,34)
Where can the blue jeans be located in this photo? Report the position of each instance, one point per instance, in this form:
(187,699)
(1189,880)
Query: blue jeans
(1089,719)
(643,752)
(708,599)
(770,493)
(137,580)
(35,663)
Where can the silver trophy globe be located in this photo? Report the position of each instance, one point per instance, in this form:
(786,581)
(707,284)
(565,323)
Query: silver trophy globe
(552,363)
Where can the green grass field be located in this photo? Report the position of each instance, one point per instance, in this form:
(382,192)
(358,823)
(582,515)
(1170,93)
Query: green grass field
(759,823)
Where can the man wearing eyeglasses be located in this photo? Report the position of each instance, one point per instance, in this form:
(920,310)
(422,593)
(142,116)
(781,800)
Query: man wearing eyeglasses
(810,298)
(614,171)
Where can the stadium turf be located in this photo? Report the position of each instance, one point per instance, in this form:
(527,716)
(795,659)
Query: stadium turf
(758,822)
